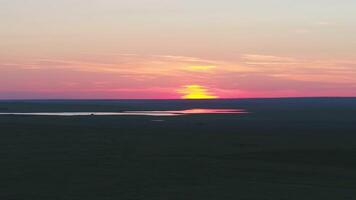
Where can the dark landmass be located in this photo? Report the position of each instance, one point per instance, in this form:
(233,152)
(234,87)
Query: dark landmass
(302,148)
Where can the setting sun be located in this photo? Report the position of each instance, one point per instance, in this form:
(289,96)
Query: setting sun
(196,92)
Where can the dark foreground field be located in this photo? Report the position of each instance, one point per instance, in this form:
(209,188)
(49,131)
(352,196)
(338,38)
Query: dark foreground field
(284,149)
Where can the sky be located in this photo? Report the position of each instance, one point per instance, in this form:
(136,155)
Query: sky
(168,49)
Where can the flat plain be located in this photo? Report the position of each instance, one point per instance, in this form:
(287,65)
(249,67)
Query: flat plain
(297,148)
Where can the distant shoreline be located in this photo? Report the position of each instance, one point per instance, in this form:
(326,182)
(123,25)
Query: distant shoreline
(256,98)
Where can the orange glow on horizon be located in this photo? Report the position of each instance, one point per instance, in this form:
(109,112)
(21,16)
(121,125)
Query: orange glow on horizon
(196,92)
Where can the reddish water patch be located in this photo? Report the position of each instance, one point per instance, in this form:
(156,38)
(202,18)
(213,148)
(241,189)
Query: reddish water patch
(163,113)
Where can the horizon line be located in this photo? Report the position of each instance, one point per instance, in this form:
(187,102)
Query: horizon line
(160,99)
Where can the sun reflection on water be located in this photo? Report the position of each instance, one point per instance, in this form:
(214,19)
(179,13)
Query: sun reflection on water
(165,113)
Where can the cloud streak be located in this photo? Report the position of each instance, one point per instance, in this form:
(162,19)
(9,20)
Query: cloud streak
(250,75)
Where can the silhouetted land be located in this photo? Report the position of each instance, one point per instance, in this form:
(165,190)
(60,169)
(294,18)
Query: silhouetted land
(284,149)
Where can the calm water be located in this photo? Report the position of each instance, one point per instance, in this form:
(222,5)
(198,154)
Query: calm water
(140,113)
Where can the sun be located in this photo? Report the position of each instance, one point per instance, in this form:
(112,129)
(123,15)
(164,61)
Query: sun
(196,92)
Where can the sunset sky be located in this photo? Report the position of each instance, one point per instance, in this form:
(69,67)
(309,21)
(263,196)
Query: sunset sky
(125,49)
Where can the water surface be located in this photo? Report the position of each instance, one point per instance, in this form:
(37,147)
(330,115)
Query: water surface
(139,113)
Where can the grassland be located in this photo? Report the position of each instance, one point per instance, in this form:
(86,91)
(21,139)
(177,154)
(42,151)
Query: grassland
(284,149)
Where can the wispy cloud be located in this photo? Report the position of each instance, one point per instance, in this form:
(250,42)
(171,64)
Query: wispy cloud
(256,59)
(248,75)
